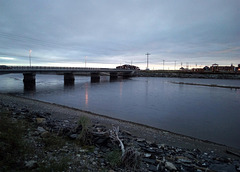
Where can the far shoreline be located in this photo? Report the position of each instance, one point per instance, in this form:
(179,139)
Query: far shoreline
(138,130)
(188,74)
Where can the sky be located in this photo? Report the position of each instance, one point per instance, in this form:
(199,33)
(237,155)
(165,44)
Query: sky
(108,33)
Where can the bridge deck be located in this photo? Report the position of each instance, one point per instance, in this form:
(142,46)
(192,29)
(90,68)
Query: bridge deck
(47,69)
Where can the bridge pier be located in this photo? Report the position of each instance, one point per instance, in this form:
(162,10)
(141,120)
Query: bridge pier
(29,81)
(127,75)
(113,75)
(29,78)
(95,77)
(69,79)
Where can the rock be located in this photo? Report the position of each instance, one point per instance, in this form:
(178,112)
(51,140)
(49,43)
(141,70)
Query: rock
(222,167)
(41,129)
(140,140)
(152,168)
(126,132)
(111,171)
(101,141)
(73,136)
(24,110)
(147,155)
(45,134)
(31,164)
(149,161)
(170,166)
(41,120)
(182,159)
(149,150)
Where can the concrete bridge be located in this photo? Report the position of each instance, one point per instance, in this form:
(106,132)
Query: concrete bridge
(29,73)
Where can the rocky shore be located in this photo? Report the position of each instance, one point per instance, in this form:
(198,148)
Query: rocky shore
(39,136)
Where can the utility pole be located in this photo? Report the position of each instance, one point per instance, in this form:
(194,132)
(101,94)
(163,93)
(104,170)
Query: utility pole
(147,59)
(163,64)
(30,51)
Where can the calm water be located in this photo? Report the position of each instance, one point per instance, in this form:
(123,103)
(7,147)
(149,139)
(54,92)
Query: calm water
(204,112)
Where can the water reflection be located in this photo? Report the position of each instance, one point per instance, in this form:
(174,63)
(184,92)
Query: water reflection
(68,85)
(29,88)
(121,88)
(86,94)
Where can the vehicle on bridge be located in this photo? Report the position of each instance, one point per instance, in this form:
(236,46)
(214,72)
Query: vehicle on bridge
(126,66)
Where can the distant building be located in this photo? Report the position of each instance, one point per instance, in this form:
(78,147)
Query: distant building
(206,68)
(216,68)
(197,69)
(126,66)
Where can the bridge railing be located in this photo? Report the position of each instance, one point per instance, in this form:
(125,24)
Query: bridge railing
(42,69)
(53,67)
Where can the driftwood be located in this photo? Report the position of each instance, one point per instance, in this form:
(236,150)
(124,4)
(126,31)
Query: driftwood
(130,157)
(233,153)
(114,136)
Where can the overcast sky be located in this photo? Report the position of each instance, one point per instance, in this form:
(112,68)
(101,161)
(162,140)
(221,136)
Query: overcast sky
(107,33)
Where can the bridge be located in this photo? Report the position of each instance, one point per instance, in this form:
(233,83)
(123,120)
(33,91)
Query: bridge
(29,72)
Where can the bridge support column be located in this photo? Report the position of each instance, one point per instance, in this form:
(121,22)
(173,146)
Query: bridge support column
(113,75)
(69,79)
(95,77)
(29,78)
(29,81)
(126,75)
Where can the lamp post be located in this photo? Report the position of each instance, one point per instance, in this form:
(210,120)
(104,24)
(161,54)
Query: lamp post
(147,59)
(30,51)
(163,64)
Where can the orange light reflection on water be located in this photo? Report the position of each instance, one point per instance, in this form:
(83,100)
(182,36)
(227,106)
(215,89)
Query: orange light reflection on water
(86,94)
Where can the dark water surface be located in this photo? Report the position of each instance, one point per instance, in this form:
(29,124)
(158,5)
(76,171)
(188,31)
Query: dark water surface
(207,113)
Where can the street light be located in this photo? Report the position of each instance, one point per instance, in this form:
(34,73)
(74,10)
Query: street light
(30,51)
(147,59)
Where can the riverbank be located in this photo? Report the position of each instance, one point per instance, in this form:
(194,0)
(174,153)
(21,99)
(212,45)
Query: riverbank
(157,147)
(189,74)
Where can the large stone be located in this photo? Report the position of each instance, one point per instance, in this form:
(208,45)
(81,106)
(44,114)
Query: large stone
(31,164)
(73,136)
(41,129)
(45,134)
(41,120)
(183,159)
(170,166)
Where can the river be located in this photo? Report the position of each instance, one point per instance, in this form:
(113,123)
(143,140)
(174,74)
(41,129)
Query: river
(207,113)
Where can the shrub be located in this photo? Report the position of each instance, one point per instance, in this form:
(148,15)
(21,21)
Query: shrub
(84,137)
(114,158)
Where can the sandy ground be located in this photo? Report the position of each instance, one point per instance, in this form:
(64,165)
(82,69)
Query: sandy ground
(140,131)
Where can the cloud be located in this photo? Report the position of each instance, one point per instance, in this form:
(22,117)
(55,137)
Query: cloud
(7,58)
(114,31)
